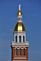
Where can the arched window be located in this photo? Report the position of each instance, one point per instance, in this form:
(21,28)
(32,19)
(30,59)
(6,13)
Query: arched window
(20,51)
(23,38)
(17,51)
(16,38)
(24,51)
(20,39)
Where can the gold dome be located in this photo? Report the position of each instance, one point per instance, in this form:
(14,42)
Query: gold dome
(19,27)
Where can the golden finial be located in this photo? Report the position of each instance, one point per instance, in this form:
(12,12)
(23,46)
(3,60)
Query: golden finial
(19,11)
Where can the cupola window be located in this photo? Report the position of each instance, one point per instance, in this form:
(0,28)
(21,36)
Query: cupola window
(20,39)
(16,38)
(23,38)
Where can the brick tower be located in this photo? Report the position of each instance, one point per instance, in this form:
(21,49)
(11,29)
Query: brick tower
(19,45)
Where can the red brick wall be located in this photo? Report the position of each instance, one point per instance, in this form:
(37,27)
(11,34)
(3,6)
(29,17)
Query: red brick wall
(13,53)
(26,52)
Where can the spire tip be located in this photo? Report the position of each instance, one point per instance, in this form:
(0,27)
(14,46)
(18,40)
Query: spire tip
(19,7)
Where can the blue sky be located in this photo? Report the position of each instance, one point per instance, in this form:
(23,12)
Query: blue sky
(32,19)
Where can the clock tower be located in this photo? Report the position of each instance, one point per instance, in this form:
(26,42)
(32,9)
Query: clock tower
(20,44)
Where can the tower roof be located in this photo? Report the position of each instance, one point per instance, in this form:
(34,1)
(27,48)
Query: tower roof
(19,26)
